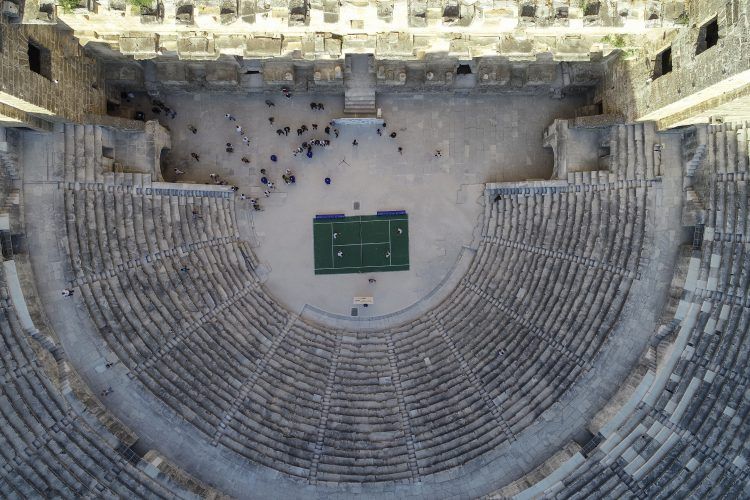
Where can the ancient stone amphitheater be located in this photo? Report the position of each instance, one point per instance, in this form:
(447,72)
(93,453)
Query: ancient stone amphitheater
(587,338)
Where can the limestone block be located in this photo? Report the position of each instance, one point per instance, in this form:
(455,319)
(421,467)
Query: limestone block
(331,11)
(139,45)
(278,72)
(298,13)
(460,47)
(493,74)
(394,44)
(291,44)
(231,44)
(417,13)
(263,46)
(439,75)
(385,10)
(334,45)
(196,46)
(359,43)
(433,44)
(517,48)
(391,74)
(228,11)
(171,72)
(483,46)
(222,74)
(541,74)
(328,73)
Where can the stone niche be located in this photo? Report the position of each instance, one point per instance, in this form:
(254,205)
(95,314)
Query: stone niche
(328,73)
(185,12)
(259,46)
(228,11)
(439,75)
(391,74)
(493,73)
(385,10)
(394,44)
(541,74)
(171,73)
(278,73)
(196,46)
(139,45)
(299,13)
(222,74)
(331,10)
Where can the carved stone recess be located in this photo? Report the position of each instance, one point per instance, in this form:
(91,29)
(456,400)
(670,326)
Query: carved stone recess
(390,29)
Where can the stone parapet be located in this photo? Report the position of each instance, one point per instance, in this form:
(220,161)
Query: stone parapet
(389,29)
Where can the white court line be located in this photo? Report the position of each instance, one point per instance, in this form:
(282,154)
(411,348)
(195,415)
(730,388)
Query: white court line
(333,257)
(362,244)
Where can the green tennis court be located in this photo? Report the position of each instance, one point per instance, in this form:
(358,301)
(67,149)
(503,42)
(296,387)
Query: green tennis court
(361,244)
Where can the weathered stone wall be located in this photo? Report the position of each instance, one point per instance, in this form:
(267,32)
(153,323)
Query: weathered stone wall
(73,85)
(390,29)
(698,83)
(488,75)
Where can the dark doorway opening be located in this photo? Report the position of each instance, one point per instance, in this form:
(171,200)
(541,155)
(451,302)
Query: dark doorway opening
(40,60)
(592,9)
(663,63)
(112,107)
(463,69)
(708,36)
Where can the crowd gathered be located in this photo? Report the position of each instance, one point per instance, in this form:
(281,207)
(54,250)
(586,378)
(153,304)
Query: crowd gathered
(312,137)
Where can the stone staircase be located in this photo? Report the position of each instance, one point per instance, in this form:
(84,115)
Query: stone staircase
(359,81)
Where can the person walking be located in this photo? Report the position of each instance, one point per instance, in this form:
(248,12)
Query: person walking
(245,159)
(274,158)
(238,129)
(393,135)
(68,292)
(270,120)
(193,129)
(355,143)
(400,150)
(230,117)
(195,156)
(327,130)
(270,103)
(229,148)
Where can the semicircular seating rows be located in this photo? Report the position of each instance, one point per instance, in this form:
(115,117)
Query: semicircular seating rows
(53,446)
(684,433)
(171,288)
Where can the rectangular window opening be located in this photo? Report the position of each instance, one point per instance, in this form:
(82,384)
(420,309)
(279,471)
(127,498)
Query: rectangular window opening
(663,63)
(40,60)
(708,36)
